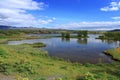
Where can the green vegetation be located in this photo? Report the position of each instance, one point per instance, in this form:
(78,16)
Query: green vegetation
(111,36)
(3,41)
(115,53)
(33,63)
(83,34)
(80,34)
(9,35)
(26,62)
(96,32)
(65,35)
(14,35)
(36,45)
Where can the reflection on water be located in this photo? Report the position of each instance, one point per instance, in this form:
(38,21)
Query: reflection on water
(109,41)
(65,39)
(82,40)
(83,50)
(79,40)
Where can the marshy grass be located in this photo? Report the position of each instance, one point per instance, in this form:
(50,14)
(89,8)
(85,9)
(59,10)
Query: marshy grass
(36,45)
(115,53)
(2,41)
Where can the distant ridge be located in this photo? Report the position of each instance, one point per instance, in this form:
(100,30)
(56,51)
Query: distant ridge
(4,27)
(115,30)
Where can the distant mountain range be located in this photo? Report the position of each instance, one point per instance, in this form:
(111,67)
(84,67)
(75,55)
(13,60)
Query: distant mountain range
(4,27)
(115,30)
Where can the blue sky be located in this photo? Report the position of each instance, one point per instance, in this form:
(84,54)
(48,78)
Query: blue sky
(64,14)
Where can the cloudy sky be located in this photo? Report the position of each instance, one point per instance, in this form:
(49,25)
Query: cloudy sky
(64,14)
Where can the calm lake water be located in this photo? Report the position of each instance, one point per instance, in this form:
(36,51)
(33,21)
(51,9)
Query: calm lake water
(88,50)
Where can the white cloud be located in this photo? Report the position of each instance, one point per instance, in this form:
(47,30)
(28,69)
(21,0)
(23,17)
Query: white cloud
(116,18)
(14,13)
(114,6)
(21,4)
(45,21)
(90,25)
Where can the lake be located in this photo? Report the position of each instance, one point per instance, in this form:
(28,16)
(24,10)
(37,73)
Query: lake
(88,50)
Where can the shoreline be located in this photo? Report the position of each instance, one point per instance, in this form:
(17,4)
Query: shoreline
(113,53)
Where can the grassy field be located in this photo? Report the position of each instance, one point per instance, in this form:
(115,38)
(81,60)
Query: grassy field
(26,61)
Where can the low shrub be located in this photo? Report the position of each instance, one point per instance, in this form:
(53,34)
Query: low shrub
(25,68)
